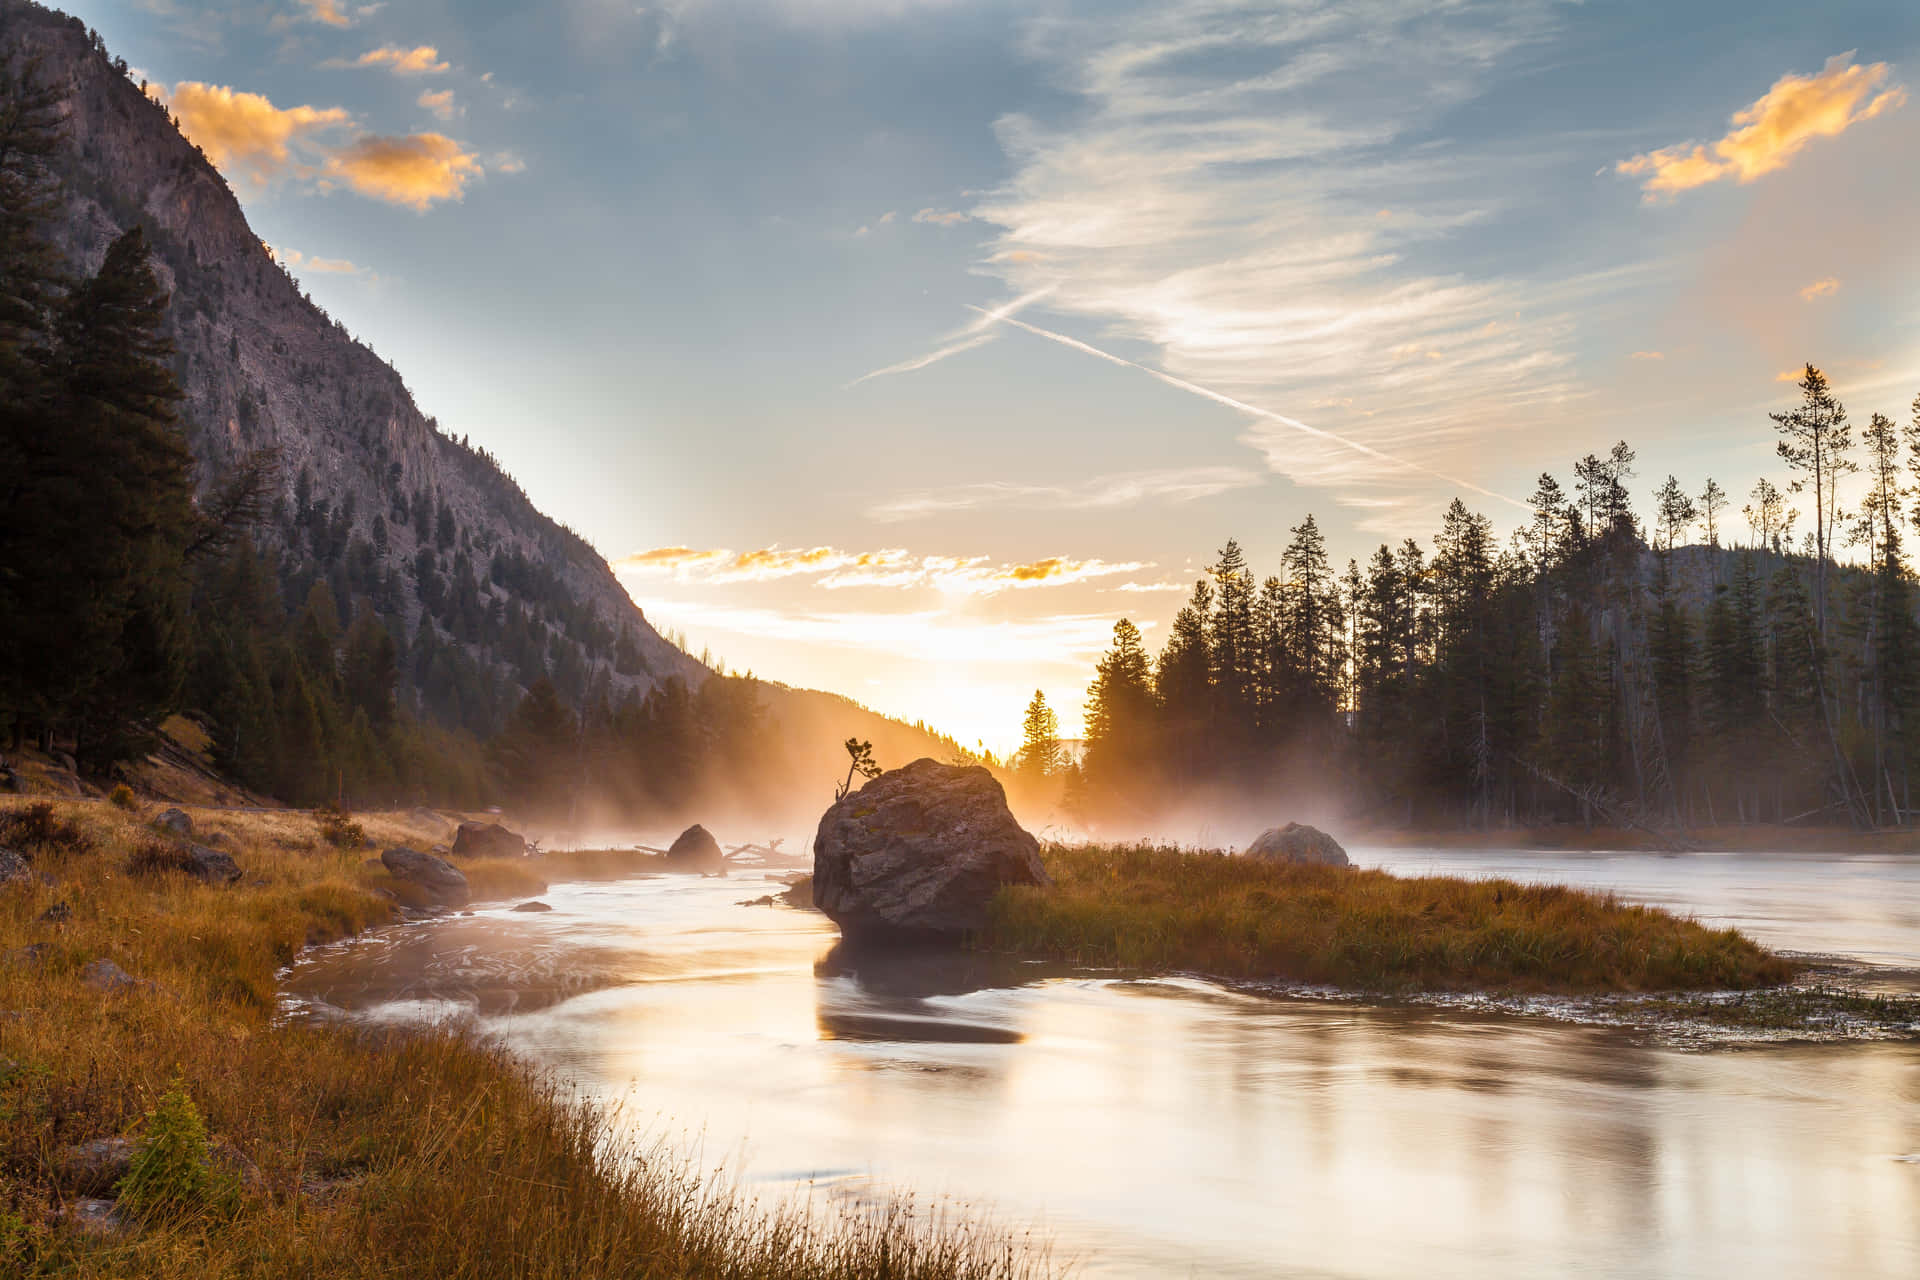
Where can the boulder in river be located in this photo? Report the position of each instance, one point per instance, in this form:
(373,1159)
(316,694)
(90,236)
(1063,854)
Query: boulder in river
(487,840)
(436,879)
(1298,843)
(919,852)
(696,850)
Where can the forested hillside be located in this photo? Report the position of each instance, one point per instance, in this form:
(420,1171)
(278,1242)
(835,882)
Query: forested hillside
(218,502)
(1597,667)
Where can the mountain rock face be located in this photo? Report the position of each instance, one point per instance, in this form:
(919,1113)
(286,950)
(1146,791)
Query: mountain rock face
(483,593)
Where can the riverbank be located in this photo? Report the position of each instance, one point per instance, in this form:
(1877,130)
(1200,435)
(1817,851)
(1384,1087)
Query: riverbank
(138,1022)
(1752,838)
(1159,910)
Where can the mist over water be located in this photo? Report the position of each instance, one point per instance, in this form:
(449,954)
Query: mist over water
(1155,1128)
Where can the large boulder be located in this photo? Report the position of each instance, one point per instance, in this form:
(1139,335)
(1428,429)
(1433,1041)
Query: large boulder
(696,850)
(487,840)
(209,865)
(436,879)
(918,853)
(1298,843)
(175,822)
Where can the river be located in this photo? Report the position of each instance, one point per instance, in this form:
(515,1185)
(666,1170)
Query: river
(1174,1128)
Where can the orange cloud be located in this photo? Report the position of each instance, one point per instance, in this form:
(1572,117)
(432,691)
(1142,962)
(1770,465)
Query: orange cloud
(833,568)
(1649,355)
(669,558)
(327,11)
(440,102)
(421,61)
(415,170)
(244,134)
(1769,133)
(1825,288)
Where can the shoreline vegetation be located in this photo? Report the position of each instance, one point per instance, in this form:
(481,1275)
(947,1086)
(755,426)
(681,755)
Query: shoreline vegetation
(143,1061)
(1149,909)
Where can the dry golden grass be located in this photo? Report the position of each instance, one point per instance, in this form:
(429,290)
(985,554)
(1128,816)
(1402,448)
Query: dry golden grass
(406,1154)
(1160,910)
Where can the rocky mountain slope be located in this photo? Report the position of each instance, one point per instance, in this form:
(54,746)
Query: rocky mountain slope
(372,498)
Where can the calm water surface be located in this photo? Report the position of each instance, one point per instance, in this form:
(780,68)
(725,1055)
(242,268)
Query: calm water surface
(1173,1128)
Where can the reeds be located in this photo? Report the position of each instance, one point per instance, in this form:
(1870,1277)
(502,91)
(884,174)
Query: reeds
(1149,909)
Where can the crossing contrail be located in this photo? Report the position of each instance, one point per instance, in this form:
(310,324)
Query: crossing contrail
(1220,397)
(974,335)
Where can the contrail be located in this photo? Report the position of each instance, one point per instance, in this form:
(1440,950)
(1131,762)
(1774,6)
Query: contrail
(974,335)
(1255,410)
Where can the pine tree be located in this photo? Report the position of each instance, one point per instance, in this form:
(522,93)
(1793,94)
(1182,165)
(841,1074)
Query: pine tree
(1183,686)
(1232,643)
(1815,440)
(1120,713)
(1040,739)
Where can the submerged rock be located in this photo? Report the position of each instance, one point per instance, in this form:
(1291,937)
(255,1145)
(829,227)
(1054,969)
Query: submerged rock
(487,840)
(438,880)
(696,850)
(533,906)
(175,822)
(918,853)
(1298,843)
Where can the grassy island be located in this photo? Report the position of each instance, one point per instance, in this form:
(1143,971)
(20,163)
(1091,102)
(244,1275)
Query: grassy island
(264,1147)
(1160,910)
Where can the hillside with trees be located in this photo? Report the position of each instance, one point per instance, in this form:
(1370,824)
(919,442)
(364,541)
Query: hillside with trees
(1600,667)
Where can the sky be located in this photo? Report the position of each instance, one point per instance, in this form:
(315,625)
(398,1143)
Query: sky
(900,347)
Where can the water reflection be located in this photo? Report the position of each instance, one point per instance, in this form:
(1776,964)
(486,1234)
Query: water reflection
(1171,1127)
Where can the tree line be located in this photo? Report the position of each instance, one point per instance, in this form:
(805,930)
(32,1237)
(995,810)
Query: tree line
(1605,664)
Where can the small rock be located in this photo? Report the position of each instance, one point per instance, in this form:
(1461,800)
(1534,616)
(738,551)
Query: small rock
(437,878)
(58,913)
(1298,843)
(696,849)
(176,822)
(210,866)
(105,975)
(533,906)
(31,956)
(92,1168)
(98,1217)
(14,868)
(487,840)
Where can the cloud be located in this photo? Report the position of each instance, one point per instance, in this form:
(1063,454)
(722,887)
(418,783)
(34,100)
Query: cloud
(1212,194)
(422,60)
(416,170)
(835,569)
(932,357)
(976,332)
(1649,355)
(327,11)
(1121,489)
(880,221)
(438,101)
(1146,587)
(942,218)
(1824,288)
(244,134)
(1770,132)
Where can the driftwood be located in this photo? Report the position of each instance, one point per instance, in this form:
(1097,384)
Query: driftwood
(1597,798)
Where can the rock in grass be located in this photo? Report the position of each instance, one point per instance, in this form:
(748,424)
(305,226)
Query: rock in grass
(696,850)
(211,866)
(104,975)
(487,840)
(58,913)
(918,853)
(14,868)
(1298,843)
(174,822)
(97,1217)
(91,1168)
(437,878)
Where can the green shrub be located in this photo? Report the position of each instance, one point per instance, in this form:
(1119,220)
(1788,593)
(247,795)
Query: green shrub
(172,1171)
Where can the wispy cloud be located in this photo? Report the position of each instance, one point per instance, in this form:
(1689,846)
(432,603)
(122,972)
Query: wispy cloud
(421,60)
(1120,489)
(881,221)
(977,332)
(835,569)
(943,217)
(330,12)
(1775,128)
(1824,288)
(1214,194)
(298,261)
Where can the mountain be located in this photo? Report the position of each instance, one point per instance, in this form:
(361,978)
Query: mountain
(482,594)
(371,497)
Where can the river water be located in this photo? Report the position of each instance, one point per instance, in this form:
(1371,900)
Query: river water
(1173,1128)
